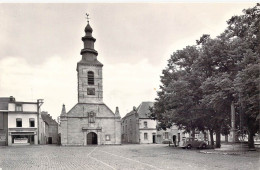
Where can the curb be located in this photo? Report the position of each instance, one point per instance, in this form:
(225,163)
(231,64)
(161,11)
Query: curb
(222,153)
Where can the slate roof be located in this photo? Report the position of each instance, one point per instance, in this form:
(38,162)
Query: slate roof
(142,110)
(4,103)
(48,119)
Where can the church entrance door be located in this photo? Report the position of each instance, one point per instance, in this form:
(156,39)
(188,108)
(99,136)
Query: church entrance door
(91,138)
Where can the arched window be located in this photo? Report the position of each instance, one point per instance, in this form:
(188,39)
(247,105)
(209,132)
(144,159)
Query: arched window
(91,78)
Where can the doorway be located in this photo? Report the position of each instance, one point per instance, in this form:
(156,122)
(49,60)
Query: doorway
(91,138)
(174,140)
(49,140)
(154,141)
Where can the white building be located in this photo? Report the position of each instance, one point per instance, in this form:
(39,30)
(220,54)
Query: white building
(23,122)
(138,127)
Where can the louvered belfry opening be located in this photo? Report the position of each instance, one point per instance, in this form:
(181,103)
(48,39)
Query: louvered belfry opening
(91,78)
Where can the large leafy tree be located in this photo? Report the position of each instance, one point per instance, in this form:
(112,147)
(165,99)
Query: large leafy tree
(200,82)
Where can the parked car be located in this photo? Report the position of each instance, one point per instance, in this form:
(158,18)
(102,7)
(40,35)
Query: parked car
(193,143)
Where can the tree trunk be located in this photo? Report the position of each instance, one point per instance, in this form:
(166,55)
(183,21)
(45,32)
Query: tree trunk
(211,138)
(193,133)
(251,143)
(218,139)
(252,131)
(226,138)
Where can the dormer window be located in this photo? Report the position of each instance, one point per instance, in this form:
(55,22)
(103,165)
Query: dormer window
(90,78)
(18,107)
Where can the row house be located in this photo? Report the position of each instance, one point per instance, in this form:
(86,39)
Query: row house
(50,135)
(138,127)
(19,122)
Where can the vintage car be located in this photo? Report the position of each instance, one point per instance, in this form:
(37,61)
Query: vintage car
(193,143)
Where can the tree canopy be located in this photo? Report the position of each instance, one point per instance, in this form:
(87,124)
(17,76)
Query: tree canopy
(200,82)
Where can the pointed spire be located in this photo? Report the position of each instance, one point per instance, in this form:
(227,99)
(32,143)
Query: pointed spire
(63,111)
(117,112)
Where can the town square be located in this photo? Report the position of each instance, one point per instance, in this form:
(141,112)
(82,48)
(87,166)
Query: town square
(130,156)
(130,86)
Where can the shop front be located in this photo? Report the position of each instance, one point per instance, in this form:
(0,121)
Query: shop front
(26,136)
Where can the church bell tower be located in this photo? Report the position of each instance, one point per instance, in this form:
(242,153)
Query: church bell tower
(90,87)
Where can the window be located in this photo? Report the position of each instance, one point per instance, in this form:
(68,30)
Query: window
(32,122)
(145,136)
(18,107)
(107,137)
(18,122)
(91,78)
(166,135)
(91,117)
(145,124)
(91,91)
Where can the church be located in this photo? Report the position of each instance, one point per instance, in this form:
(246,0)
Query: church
(90,121)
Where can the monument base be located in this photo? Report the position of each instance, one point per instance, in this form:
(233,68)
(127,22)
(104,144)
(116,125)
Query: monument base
(234,146)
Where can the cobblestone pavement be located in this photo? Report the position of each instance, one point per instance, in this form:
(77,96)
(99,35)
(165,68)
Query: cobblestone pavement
(153,156)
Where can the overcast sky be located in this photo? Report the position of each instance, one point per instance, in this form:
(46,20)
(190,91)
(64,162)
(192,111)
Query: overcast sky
(40,47)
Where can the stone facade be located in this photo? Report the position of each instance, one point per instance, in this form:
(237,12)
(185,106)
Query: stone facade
(51,129)
(90,121)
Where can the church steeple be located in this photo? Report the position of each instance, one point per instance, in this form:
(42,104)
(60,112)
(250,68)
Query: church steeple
(90,87)
(88,52)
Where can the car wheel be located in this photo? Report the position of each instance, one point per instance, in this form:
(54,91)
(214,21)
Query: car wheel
(204,146)
(189,147)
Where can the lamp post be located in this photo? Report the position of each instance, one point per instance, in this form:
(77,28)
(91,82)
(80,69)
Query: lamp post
(39,104)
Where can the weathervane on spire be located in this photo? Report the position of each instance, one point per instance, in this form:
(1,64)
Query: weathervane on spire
(87,17)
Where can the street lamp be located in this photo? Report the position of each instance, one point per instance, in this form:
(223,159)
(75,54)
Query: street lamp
(39,104)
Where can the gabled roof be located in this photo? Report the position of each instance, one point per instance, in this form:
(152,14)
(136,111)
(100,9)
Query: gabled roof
(142,110)
(48,119)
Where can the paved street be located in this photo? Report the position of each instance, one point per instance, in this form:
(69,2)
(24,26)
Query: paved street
(120,157)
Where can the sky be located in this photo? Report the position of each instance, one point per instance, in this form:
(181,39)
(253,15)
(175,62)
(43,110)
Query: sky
(41,43)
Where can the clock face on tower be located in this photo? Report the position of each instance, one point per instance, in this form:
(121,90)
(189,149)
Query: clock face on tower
(91,91)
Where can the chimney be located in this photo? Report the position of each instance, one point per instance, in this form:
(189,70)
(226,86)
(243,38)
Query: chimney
(12,99)
(134,108)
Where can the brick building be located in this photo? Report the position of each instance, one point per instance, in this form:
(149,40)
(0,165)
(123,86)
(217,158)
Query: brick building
(90,121)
